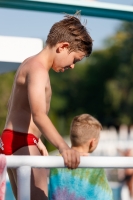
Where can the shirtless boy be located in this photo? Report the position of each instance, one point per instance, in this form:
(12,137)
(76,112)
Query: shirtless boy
(67,43)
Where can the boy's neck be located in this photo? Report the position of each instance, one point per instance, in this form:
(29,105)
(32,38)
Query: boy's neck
(81,149)
(46,57)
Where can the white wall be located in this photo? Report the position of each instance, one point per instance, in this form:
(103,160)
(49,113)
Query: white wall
(13,50)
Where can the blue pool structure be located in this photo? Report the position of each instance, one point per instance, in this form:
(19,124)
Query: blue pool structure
(9,193)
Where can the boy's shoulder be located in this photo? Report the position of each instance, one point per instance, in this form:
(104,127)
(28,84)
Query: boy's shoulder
(33,66)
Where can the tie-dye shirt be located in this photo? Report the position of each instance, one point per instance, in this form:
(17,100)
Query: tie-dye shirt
(79,184)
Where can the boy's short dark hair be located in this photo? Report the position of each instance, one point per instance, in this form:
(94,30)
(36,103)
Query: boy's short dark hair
(83,128)
(72,31)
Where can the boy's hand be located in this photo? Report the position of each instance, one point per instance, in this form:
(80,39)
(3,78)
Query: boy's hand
(71,158)
(42,148)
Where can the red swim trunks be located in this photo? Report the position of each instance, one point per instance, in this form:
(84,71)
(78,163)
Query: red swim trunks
(11,141)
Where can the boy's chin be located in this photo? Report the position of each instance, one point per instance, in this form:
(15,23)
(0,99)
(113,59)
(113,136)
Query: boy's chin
(58,70)
(61,70)
(55,70)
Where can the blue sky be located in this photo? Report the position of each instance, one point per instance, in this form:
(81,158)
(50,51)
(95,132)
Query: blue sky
(37,24)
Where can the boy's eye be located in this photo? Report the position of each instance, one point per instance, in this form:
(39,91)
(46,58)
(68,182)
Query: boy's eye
(75,61)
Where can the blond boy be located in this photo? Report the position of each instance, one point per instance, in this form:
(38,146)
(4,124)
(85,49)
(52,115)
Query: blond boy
(85,183)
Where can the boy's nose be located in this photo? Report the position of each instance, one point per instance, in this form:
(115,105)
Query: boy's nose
(72,66)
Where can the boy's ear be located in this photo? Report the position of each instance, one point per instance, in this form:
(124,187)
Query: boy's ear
(61,46)
(92,142)
(93,145)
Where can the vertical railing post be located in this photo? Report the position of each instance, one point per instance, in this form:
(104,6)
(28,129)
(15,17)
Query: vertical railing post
(23,182)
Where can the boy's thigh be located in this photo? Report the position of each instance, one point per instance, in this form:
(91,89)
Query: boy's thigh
(39,189)
(39,185)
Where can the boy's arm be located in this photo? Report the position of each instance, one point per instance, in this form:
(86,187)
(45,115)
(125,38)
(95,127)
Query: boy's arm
(37,80)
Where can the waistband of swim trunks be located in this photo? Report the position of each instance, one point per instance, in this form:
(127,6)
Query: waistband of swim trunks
(20,133)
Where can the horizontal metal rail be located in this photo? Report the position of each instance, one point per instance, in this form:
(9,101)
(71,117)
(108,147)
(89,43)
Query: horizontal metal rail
(96,9)
(25,163)
(57,162)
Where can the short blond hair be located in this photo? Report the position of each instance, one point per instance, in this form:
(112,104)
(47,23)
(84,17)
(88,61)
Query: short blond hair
(83,128)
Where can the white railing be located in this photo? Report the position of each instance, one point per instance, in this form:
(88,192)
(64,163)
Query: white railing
(57,162)
(25,163)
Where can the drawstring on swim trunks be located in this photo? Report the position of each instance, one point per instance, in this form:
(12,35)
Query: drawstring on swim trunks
(1,144)
(34,140)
